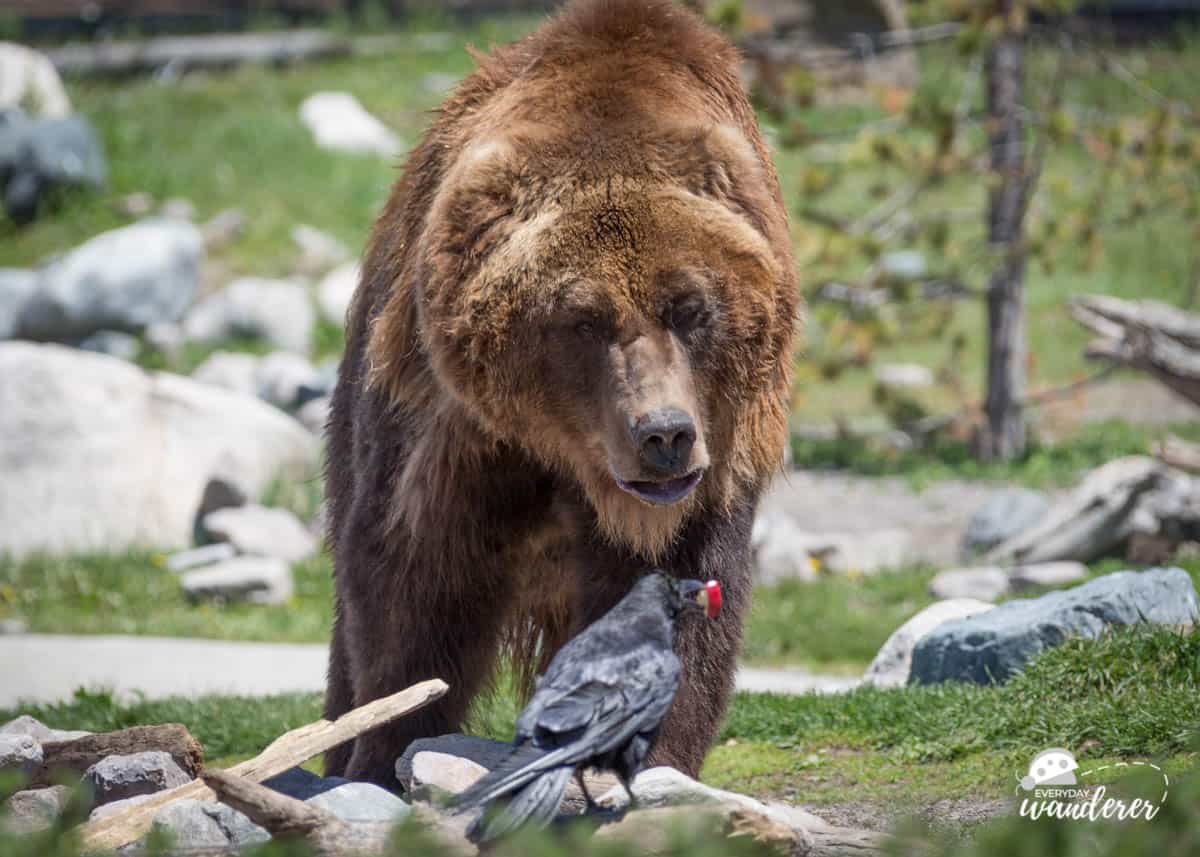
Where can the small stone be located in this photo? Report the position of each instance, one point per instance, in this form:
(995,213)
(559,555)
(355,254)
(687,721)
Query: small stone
(314,414)
(1048,574)
(201,556)
(286,380)
(34,810)
(21,753)
(224,228)
(230,370)
(262,531)
(336,291)
(13,625)
(338,121)
(904,264)
(114,343)
(1004,515)
(276,311)
(137,204)
(178,208)
(31,726)
(256,579)
(361,802)
(482,751)
(892,663)
(449,773)
(120,777)
(986,583)
(990,647)
(319,251)
(903,375)
(439,83)
(198,825)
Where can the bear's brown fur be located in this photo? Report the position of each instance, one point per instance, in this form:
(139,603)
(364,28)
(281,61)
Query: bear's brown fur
(578,301)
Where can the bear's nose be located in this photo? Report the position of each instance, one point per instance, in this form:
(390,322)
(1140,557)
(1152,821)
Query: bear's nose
(664,439)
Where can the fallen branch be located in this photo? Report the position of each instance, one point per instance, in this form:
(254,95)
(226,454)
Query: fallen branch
(287,751)
(80,754)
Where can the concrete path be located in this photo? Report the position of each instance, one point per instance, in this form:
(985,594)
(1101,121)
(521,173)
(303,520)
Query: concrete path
(49,667)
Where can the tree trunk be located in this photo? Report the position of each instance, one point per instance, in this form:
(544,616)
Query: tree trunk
(1004,434)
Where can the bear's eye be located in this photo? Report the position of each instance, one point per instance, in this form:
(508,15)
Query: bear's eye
(686,314)
(585,329)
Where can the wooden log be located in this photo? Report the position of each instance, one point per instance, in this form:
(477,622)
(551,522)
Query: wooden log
(186,52)
(287,751)
(78,755)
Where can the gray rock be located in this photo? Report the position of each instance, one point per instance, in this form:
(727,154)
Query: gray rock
(452,774)
(118,806)
(201,556)
(287,380)
(13,625)
(336,290)
(21,753)
(361,802)
(178,208)
(482,751)
(254,529)
(34,809)
(34,728)
(782,551)
(125,279)
(891,665)
(319,251)
(16,288)
(302,784)
(38,154)
(314,414)
(224,228)
(985,583)
(99,455)
(991,646)
(277,311)
(1048,574)
(1004,515)
(256,579)
(198,825)
(229,370)
(120,777)
(114,343)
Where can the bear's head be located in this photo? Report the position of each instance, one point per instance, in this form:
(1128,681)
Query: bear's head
(620,308)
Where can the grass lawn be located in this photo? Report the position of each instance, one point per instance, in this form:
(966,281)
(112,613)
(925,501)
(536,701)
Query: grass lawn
(1134,694)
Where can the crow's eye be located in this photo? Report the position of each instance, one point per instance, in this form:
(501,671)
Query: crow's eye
(686,314)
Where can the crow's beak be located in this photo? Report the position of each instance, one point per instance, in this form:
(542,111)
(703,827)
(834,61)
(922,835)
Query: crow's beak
(709,598)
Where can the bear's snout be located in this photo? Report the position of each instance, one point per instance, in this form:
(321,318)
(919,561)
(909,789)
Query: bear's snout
(664,440)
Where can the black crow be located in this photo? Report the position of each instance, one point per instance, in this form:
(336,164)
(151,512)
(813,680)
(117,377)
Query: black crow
(599,705)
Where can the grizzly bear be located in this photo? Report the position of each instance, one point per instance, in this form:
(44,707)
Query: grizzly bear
(568,361)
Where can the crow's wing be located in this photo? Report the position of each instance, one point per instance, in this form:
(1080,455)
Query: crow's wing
(588,711)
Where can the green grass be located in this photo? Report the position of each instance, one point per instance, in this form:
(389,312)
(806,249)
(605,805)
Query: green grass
(134,594)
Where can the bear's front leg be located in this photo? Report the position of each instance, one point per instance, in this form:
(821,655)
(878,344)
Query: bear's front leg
(714,546)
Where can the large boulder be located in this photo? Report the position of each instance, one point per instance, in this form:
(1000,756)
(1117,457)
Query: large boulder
(207,827)
(100,455)
(892,663)
(126,280)
(121,777)
(992,646)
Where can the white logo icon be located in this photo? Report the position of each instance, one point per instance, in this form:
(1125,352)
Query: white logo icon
(1053,767)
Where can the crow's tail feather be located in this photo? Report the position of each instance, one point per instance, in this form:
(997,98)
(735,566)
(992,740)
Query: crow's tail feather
(536,803)
(522,765)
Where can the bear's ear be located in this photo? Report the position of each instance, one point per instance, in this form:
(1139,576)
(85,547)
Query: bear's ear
(473,211)
(719,163)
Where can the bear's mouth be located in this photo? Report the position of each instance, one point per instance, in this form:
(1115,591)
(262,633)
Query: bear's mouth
(662,493)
